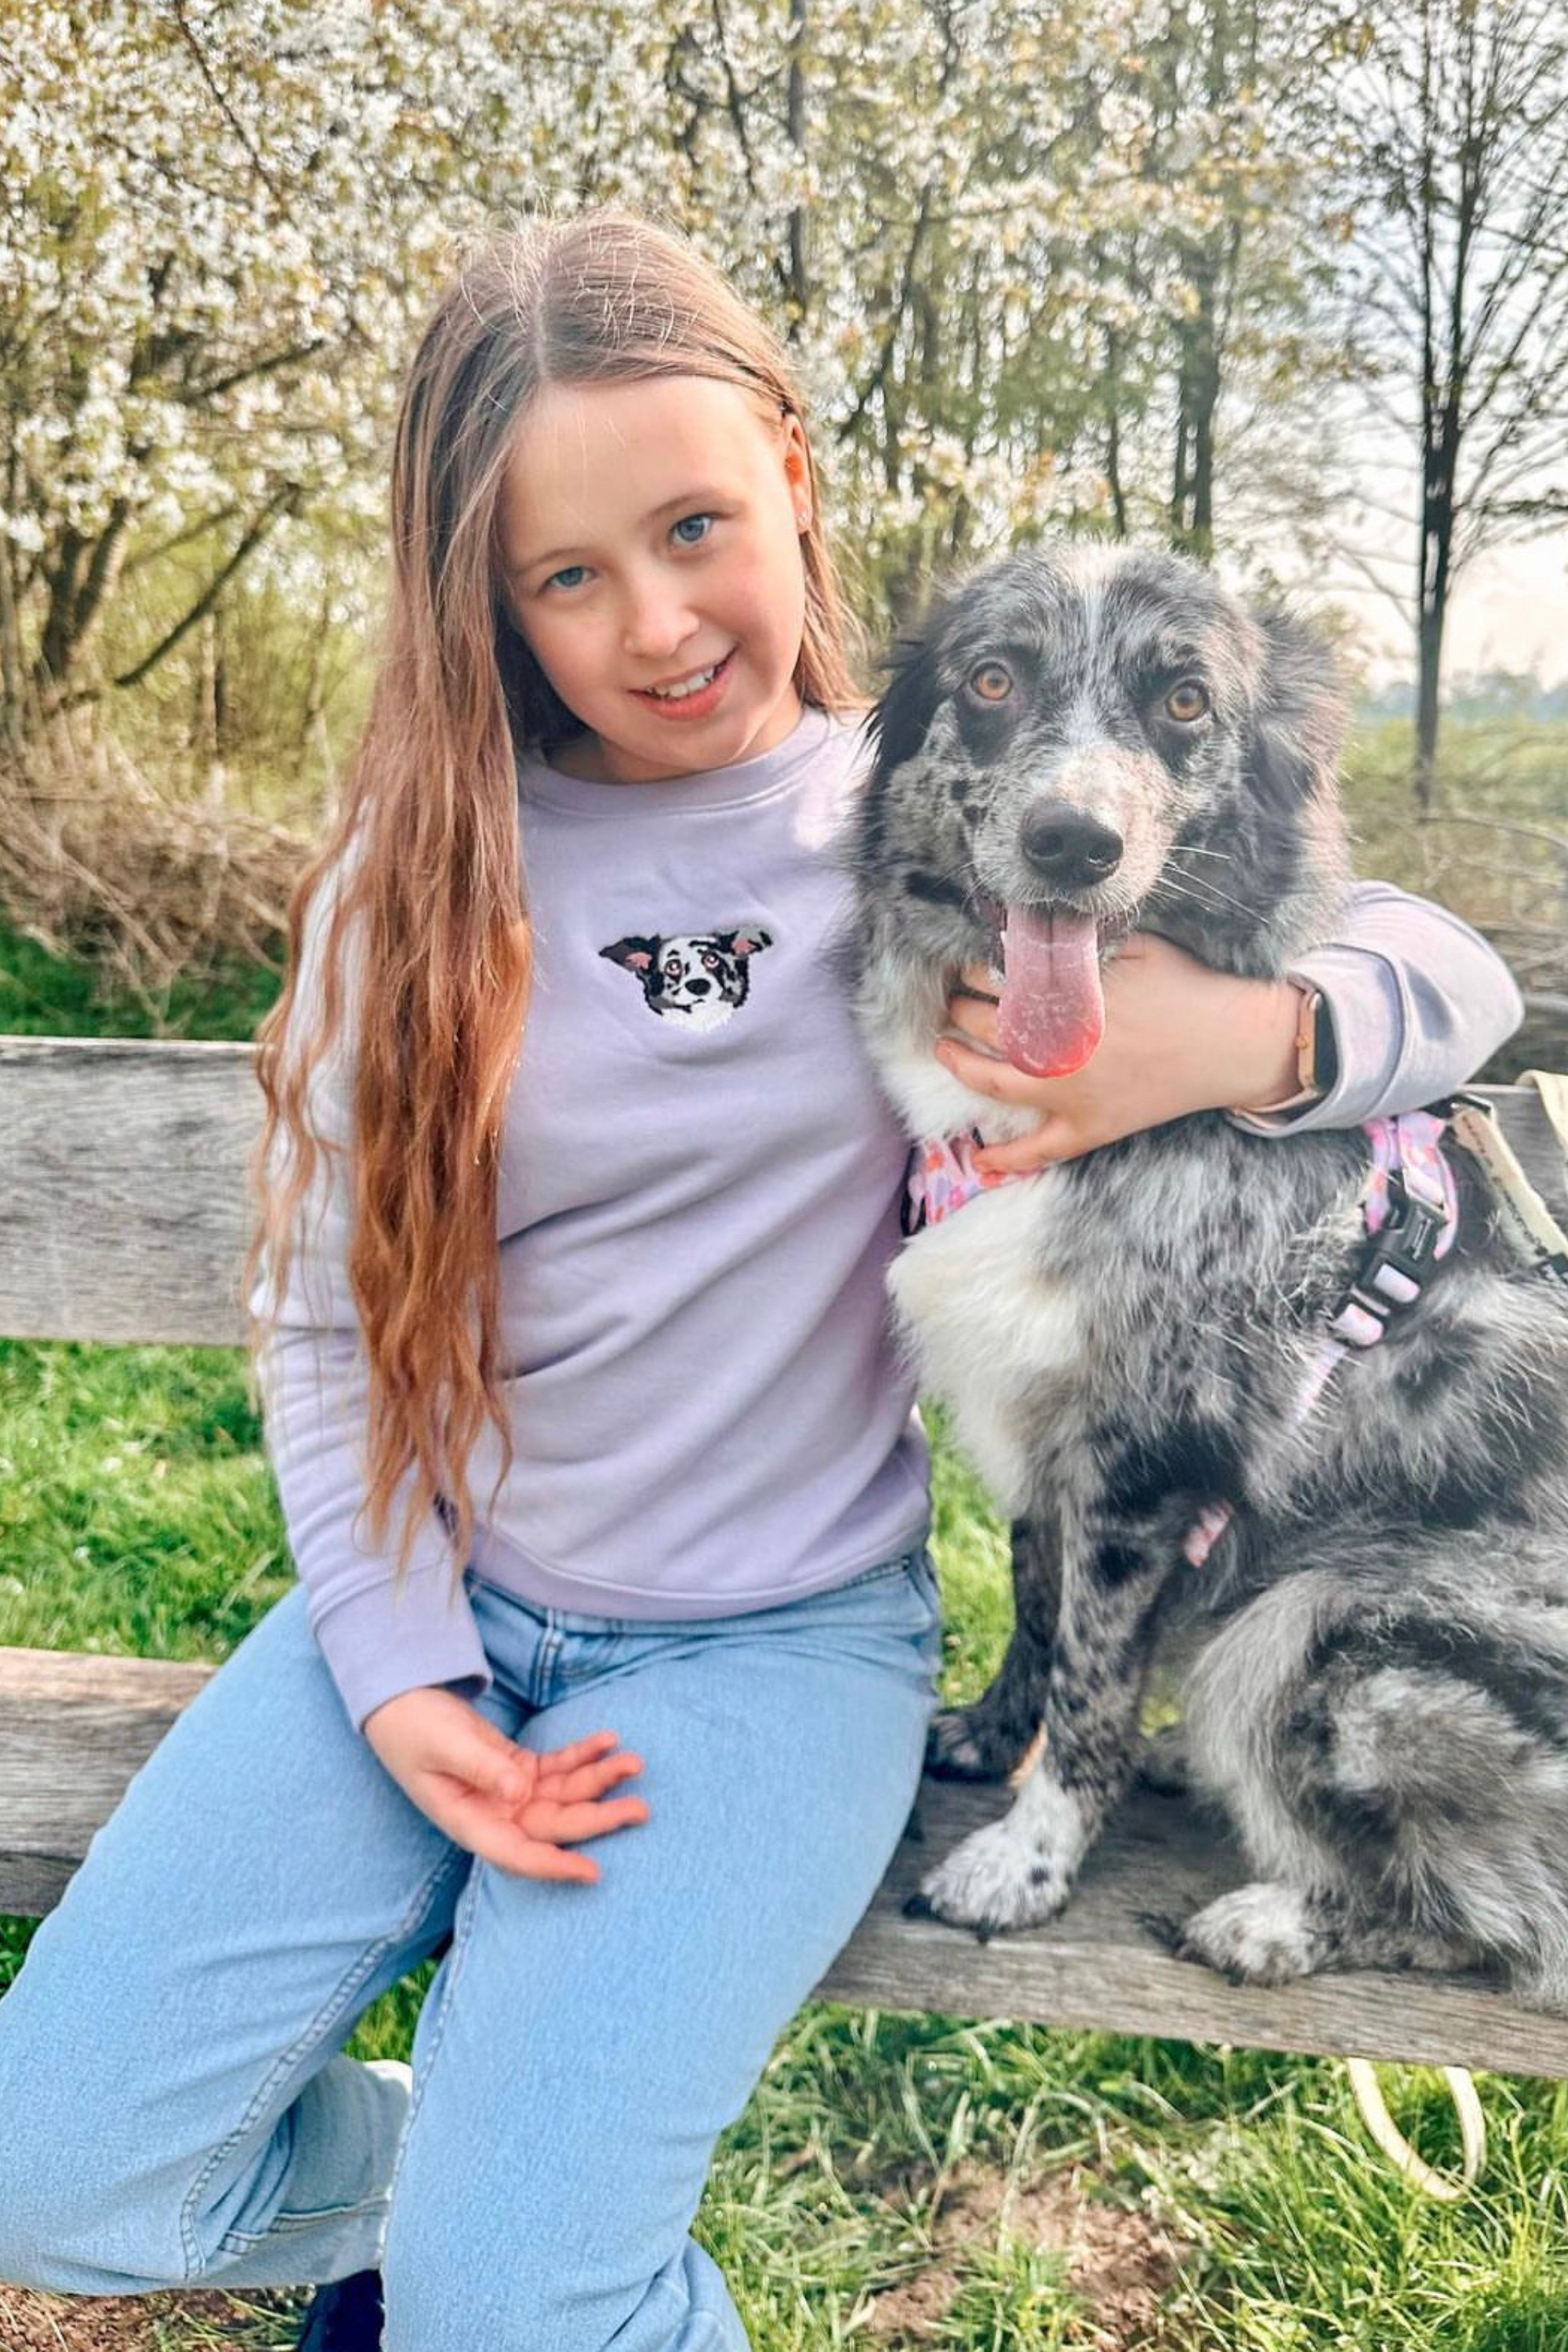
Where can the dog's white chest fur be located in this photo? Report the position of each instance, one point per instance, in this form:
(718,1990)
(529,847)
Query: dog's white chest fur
(987,1323)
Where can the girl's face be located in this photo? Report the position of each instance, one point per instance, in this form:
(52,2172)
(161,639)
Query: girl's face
(650,538)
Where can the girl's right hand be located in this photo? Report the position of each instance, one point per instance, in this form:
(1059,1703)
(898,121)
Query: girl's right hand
(509,1805)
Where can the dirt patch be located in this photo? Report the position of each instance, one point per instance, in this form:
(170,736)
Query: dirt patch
(144,2323)
(1120,2263)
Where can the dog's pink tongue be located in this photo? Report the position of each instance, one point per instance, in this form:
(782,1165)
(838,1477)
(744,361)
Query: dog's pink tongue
(1052,1012)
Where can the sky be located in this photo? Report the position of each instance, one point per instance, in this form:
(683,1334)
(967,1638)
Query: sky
(1509,612)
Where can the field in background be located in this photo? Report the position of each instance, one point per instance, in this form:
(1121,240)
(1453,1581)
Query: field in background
(1495,849)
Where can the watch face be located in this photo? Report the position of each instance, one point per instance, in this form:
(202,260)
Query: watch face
(1325,1046)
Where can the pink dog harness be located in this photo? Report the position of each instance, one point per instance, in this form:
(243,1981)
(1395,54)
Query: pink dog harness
(1409,1205)
(942,1176)
(1410,1210)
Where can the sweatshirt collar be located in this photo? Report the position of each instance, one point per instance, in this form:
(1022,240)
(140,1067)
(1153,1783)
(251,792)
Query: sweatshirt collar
(756,778)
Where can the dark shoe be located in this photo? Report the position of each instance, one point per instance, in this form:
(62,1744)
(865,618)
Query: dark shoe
(345,2317)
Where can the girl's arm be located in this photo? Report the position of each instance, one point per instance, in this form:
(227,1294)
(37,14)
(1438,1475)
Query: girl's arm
(376,1643)
(407,1660)
(315,1386)
(1416,1001)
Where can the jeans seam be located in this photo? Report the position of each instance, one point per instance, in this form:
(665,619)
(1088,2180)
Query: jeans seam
(462,1929)
(289,2225)
(546,1662)
(340,1994)
(716,2338)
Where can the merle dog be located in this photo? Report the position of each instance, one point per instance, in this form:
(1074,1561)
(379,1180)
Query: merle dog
(1077,744)
(696,978)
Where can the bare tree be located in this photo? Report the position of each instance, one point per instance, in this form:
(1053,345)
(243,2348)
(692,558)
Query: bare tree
(1460,115)
(1223,263)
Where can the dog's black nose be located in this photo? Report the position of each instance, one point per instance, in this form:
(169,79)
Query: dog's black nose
(1066,845)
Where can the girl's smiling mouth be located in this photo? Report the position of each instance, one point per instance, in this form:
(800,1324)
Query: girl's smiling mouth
(693,696)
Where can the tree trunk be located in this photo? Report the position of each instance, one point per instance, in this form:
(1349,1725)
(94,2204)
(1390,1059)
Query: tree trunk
(80,580)
(799,275)
(57,647)
(1444,392)
(1113,433)
(313,741)
(1435,567)
(1204,399)
(1211,264)
(207,715)
(13,663)
(1178,516)
(1430,656)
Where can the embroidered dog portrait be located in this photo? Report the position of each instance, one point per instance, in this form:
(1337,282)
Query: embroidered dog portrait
(696,977)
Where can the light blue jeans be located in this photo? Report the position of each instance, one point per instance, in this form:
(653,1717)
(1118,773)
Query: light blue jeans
(174,2109)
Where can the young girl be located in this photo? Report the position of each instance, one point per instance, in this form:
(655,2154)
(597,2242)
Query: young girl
(579,1390)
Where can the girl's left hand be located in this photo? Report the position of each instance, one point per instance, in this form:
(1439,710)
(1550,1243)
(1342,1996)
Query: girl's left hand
(522,1809)
(1179,1037)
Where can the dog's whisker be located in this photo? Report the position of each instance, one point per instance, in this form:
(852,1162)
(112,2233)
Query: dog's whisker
(1204,883)
(1200,891)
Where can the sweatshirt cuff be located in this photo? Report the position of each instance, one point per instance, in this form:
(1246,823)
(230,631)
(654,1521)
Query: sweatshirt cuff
(1362,992)
(378,1643)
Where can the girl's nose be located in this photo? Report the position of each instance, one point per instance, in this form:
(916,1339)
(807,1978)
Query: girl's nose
(656,620)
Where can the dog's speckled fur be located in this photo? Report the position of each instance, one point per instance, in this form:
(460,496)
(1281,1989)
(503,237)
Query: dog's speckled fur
(1380,1697)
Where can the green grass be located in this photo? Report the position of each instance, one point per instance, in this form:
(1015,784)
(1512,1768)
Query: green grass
(139,1516)
(47,995)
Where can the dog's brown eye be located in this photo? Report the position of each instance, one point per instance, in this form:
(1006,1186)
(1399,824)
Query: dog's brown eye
(990,681)
(1187,701)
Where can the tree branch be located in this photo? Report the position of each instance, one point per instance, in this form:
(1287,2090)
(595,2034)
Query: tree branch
(188,396)
(285,502)
(229,116)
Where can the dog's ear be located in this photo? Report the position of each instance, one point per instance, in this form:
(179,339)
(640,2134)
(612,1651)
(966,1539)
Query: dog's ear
(1297,723)
(633,954)
(897,727)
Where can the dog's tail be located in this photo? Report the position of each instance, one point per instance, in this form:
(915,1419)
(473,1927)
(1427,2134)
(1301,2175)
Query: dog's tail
(1401,1744)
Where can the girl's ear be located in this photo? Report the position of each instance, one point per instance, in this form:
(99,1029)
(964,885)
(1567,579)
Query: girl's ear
(797,469)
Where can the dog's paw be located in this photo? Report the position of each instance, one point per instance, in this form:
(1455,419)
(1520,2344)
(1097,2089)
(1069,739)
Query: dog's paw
(995,1880)
(1260,1935)
(964,1744)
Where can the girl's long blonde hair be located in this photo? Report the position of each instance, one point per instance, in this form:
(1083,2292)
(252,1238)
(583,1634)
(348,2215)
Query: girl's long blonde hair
(432,896)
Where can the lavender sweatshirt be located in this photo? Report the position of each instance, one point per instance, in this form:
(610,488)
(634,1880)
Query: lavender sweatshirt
(698,1199)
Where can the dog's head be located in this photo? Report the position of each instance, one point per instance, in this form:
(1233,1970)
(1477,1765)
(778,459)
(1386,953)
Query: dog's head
(1084,742)
(698,977)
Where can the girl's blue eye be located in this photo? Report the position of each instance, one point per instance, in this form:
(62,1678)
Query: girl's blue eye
(692,530)
(568,576)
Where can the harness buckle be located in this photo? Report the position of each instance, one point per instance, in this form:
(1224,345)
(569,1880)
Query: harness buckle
(1389,1273)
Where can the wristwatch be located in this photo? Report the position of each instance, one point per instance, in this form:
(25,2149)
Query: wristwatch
(1317,1055)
